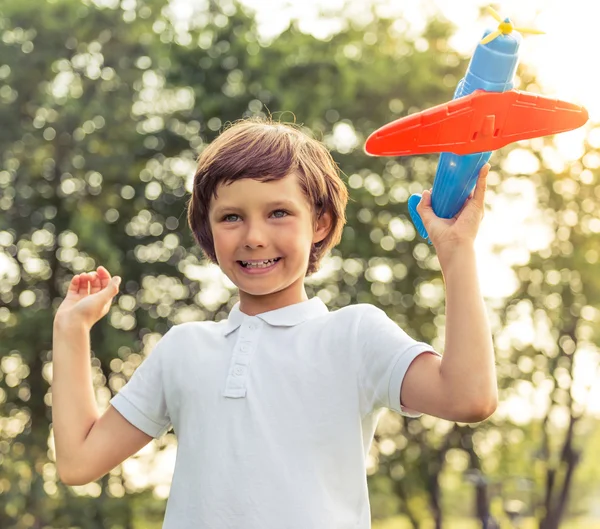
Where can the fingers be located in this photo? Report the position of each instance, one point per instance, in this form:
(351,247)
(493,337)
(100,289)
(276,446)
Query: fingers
(99,280)
(74,285)
(482,177)
(479,192)
(93,282)
(84,283)
(106,280)
(104,276)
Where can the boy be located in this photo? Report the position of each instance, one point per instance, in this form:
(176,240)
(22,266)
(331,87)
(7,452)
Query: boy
(274,408)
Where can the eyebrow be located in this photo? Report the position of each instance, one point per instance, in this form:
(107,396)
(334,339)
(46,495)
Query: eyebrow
(276,204)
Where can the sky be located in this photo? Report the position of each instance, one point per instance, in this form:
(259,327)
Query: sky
(561,56)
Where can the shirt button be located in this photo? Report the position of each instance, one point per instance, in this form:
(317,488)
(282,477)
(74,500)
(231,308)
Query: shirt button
(244,347)
(238,370)
(252,326)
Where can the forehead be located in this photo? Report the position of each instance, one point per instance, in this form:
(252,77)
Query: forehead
(248,190)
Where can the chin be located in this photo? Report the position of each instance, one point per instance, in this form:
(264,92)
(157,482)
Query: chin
(254,291)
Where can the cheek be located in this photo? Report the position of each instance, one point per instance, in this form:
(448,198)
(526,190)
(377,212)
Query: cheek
(298,239)
(221,241)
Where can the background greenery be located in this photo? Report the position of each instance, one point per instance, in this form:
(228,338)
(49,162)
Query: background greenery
(104,108)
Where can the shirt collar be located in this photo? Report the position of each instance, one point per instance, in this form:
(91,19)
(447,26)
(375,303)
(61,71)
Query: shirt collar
(284,317)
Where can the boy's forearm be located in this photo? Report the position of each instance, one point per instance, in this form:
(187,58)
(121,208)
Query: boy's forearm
(74,409)
(468,364)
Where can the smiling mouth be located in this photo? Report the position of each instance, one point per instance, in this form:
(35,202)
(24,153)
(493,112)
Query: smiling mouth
(259,264)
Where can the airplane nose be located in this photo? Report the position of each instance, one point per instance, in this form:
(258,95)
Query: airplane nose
(493,65)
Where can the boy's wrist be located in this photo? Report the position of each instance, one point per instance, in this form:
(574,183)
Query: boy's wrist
(451,251)
(69,322)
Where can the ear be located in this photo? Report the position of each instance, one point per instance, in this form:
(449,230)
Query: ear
(322,227)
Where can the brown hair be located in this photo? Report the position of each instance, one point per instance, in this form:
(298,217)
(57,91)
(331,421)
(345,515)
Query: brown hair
(267,150)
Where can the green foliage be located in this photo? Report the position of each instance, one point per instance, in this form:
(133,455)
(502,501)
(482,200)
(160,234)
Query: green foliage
(104,110)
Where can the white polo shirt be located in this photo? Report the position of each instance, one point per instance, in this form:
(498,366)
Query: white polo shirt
(274,414)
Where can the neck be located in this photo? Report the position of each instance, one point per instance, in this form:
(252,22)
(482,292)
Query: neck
(252,305)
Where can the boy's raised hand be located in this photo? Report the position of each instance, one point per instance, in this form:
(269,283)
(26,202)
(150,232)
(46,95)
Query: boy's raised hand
(446,234)
(85,307)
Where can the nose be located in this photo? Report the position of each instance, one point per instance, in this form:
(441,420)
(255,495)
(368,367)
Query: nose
(255,236)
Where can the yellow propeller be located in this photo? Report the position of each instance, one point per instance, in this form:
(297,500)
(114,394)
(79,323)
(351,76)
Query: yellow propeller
(505,27)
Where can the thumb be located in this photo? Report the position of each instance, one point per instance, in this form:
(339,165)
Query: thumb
(424,207)
(113,286)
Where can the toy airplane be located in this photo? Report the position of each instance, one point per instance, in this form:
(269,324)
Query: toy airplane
(485,114)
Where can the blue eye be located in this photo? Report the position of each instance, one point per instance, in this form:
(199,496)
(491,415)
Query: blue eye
(227,218)
(285,213)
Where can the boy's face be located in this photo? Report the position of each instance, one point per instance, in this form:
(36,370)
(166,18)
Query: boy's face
(253,222)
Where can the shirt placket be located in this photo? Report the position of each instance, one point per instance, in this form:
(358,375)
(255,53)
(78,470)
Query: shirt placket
(245,345)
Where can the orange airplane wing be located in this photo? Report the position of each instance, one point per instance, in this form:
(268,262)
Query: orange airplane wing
(479,122)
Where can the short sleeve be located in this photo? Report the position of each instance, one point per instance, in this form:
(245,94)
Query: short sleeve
(385,354)
(142,400)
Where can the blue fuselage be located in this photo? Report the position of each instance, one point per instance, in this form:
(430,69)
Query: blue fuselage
(492,69)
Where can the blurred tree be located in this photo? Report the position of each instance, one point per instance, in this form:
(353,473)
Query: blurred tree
(559,297)
(105,106)
(71,156)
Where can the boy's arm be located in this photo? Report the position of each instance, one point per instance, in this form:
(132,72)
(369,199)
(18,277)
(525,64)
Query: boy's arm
(87,446)
(462,385)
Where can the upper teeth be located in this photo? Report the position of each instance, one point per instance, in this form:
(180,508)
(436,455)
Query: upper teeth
(258,263)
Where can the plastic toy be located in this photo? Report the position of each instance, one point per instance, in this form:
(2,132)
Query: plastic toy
(485,114)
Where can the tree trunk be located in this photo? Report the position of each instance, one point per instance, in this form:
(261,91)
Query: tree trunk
(556,503)
(482,501)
